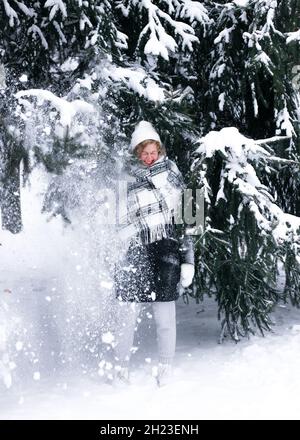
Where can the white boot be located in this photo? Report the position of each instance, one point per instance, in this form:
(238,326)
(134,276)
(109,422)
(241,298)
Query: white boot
(164,374)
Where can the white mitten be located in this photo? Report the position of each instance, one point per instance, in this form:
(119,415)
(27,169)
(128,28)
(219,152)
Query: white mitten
(187,274)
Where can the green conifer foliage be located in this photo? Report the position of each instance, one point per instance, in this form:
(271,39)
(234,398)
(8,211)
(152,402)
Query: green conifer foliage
(247,235)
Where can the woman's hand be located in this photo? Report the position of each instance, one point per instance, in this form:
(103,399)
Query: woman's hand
(187,274)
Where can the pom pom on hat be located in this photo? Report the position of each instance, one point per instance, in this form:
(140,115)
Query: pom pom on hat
(144,130)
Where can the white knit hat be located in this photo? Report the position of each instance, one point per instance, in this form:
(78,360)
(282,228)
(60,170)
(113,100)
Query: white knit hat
(144,130)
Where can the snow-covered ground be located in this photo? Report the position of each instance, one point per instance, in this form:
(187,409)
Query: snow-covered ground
(49,342)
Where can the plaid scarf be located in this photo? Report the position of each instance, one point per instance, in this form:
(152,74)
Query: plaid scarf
(153,196)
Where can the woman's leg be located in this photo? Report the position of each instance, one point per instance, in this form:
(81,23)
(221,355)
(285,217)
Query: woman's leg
(127,315)
(165,318)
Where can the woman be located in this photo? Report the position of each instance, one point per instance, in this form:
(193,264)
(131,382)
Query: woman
(159,261)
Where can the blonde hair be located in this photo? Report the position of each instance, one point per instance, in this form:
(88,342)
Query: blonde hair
(139,148)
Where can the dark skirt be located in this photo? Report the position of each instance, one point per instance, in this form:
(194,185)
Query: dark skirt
(149,272)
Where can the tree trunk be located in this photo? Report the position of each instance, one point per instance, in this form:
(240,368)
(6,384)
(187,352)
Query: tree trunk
(10,202)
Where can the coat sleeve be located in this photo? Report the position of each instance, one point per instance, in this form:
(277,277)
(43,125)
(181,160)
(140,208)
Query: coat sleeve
(186,240)
(186,248)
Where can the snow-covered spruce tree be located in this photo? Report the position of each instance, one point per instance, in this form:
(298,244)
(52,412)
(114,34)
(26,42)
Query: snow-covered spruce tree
(53,41)
(148,74)
(47,45)
(244,67)
(247,234)
(271,57)
(241,65)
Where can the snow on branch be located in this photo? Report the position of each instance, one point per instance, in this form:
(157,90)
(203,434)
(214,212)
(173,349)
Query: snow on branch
(293,36)
(66,109)
(11,13)
(135,79)
(173,5)
(265,61)
(195,11)
(283,121)
(34,29)
(59,31)
(121,41)
(56,5)
(268,6)
(160,42)
(241,3)
(27,11)
(188,9)
(84,21)
(271,140)
(224,35)
(263,25)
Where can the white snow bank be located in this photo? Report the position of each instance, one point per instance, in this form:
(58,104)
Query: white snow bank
(39,247)
(53,289)
(256,379)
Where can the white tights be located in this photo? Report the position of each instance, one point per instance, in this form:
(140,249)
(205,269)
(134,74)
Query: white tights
(165,319)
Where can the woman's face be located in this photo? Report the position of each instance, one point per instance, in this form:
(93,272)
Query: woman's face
(149,154)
